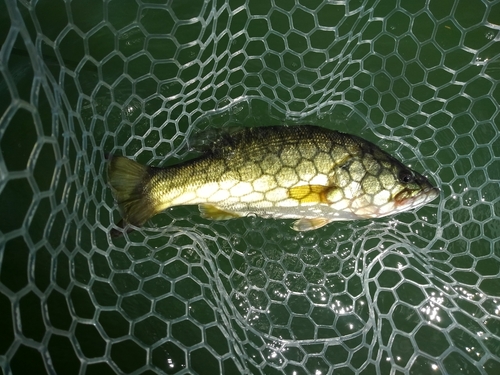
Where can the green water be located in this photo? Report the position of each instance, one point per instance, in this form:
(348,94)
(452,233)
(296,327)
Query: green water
(142,95)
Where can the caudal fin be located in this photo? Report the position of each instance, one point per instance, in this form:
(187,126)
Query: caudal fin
(129,183)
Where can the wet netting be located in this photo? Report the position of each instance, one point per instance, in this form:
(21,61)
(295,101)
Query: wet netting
(416,293)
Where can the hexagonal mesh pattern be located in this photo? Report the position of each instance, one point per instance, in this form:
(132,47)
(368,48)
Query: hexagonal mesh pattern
(418,293)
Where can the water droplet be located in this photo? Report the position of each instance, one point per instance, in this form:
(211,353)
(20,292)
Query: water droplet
(479,60)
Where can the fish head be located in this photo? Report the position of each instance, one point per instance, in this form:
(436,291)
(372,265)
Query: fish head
(389,187)
(412,190)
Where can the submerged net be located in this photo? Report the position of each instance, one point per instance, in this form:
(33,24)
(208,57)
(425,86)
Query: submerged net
(418,293)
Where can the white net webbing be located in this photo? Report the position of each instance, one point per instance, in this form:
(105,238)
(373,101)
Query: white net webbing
(418,293)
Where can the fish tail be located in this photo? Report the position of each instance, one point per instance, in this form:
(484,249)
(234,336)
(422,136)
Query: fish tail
(130,185)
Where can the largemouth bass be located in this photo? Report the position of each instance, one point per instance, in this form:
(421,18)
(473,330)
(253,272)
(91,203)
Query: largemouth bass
(307,173)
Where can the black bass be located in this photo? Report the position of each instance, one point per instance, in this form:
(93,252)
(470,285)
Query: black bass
(307,173)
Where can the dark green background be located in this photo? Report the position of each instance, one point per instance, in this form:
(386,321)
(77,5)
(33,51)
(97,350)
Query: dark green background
(142,78)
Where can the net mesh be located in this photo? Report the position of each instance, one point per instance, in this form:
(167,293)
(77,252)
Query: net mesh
(418,293)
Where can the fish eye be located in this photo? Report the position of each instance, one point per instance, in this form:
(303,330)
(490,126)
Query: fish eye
(405,176)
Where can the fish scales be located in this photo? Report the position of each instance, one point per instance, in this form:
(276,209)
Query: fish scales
(235,170)
(308,173)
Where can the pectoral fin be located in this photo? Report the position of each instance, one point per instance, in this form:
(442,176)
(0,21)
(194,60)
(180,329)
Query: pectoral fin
(212,212)
(303,225)
(311,193)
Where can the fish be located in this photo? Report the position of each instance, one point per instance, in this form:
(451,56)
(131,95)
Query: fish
(308,173)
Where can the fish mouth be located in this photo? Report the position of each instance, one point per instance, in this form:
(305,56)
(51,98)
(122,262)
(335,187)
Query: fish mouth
(409,199)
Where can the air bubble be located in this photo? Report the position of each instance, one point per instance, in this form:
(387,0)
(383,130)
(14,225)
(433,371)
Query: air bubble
(237,108)
(490,35)
(223,103)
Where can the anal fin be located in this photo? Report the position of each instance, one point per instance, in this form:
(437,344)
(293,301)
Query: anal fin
(303,225)
(209,211)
